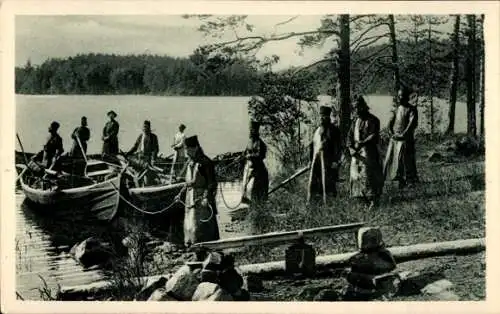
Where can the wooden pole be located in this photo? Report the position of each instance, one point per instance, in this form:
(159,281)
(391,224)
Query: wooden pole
(323,179)
(295,175)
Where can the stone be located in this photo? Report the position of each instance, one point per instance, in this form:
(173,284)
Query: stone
(213,261)
(326,295)
(91,251)
(230,280)
(183,283)
(148,290)
(207,291)
(253,283)
(220,295)
(208,275)
(204,291)
(437,287)
(161,294)
(300,258)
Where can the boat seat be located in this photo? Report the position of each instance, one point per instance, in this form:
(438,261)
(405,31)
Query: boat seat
(99,173)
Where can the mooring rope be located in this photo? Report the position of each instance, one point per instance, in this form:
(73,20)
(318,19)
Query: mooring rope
(163,209)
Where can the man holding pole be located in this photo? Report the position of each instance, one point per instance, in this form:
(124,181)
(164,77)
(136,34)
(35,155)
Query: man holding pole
(81,133)
(325,157)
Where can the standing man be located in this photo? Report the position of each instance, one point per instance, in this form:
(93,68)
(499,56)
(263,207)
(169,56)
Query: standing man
(325,157)
(255,175)
(53,147)
(180,154)
(366,177)
(83,134)
(147,149)
(399,164)
(110,136)
(200,218)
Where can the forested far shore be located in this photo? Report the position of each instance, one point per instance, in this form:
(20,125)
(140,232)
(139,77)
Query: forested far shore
(201,75)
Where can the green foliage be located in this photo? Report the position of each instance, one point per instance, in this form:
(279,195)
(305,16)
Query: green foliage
(280,106)
(202,73)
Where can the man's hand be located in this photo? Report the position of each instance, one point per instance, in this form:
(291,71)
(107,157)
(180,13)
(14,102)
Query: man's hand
(335,165)
(204,202)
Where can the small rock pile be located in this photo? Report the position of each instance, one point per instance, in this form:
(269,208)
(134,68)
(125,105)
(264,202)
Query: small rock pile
(214,279)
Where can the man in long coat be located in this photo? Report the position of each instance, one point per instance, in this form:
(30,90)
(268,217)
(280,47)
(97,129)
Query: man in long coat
(255,176)
(366,177)
(200,216)
(110,136)
(146,146)
(325,157)
(399,164)
(83,134)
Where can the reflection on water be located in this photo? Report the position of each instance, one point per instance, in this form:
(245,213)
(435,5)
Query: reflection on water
(43,242)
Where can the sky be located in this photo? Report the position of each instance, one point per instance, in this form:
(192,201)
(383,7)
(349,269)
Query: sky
(41,37)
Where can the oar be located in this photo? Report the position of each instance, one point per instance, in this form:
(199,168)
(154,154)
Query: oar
(81,148)
(22,149)
(295,175)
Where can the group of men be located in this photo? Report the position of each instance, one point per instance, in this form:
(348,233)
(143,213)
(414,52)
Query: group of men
(367,171)
(145,148)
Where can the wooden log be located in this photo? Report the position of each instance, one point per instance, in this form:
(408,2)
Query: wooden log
(270,269)
(274,237)
(295,175)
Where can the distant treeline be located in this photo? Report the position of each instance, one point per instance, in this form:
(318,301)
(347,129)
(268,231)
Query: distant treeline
(199,75)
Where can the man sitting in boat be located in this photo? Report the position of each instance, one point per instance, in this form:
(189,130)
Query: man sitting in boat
(146,146)
(52,149)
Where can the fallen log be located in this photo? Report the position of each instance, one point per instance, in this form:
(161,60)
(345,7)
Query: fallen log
(270,269)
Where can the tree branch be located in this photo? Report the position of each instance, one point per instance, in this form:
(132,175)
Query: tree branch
(367,42)
(369,29)
(371,55)
(313,65)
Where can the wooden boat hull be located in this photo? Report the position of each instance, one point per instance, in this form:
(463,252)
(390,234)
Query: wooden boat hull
(156,198)
(99,201)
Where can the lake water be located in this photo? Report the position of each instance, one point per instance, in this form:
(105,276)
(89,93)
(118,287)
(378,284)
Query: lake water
(220,122)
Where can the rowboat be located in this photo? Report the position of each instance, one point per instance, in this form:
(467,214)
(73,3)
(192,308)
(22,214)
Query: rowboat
(94,195)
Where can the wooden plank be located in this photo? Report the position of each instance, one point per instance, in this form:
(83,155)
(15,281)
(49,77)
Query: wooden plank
(274,237)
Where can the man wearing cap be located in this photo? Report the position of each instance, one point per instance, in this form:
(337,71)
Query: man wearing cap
(110,136)
(325,157)
(179,155)
(200,216)
(255,175)
(399,163)
(146,146)
(83,134)
(53,147)
(366,178)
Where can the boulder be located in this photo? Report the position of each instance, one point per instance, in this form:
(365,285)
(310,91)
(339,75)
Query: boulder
(440,290)
(183,283)
(230,280)
(91,251)
(148,290)
(207,291)
(204,291)
(253,283)
(161,294)
(213,261)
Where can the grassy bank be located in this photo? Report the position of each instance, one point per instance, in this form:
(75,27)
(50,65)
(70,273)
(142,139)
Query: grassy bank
(447,204)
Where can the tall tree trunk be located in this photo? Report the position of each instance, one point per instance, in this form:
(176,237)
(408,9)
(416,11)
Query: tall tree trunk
(344,74)
(481,78)
(394,58)
(470,75)
(430,79)
(454,77)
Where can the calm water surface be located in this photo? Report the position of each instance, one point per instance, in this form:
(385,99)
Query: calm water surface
(220,122)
